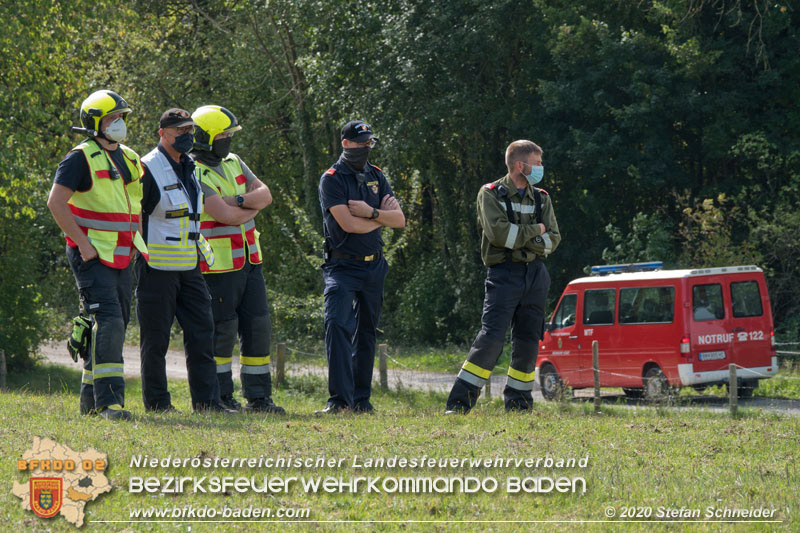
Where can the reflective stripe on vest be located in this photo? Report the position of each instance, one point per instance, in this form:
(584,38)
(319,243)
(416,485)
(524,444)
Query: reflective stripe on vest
(171,224)
(108,213)
(227,242)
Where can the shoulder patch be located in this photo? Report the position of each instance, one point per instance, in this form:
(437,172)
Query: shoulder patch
(376,167)
(331,171)
(544,192)
(490,186)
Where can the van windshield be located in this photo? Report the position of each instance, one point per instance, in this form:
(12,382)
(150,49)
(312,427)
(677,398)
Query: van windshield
(646,305)
(564,316)
(707,302)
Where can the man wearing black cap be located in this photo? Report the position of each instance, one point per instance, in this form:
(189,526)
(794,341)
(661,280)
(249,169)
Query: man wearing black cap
(357,202)
(170,283)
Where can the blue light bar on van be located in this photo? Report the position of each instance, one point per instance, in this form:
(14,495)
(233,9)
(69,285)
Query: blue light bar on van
(602,270)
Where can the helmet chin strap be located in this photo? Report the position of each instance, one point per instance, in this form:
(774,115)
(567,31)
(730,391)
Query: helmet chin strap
(103,135)
(92,133)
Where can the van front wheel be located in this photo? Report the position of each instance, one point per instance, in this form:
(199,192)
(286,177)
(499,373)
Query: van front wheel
(552,386)
(656,388)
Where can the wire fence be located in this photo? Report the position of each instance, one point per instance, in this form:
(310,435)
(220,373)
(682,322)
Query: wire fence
(570,375)
(739,378)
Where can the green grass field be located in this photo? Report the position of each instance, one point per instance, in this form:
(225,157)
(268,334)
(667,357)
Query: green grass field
(638,459)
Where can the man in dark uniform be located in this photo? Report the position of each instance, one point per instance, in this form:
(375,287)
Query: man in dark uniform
(357,202)
(519,230)
(169,281)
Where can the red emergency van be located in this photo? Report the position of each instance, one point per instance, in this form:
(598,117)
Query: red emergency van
(660,329)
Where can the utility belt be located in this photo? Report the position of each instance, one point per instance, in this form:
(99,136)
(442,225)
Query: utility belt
(373,257)
(328,254)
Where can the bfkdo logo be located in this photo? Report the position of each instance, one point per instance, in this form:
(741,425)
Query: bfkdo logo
(62,481)
(47,494)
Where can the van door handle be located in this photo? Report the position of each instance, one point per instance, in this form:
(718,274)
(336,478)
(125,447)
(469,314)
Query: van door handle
(734,330)
(573,336)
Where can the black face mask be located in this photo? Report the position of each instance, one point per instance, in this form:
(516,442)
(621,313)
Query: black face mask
(204,156)
(183,143)
(222,147)
(356,157)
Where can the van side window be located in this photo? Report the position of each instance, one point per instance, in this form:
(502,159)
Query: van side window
(564,316)
(598,306)
(646,305)
(707,302)
(746,299)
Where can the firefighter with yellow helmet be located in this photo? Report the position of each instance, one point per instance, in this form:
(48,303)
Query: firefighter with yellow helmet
(233,196)
(95,200)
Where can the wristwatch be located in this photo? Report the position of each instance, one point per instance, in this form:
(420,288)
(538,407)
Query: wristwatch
(240,200)
(374,214)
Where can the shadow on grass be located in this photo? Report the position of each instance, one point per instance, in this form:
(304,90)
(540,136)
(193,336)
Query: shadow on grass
(47,379)
(312,386)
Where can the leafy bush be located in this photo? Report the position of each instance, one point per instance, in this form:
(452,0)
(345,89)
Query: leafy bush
(295,318)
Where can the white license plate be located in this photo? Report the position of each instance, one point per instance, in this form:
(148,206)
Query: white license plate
(711,356)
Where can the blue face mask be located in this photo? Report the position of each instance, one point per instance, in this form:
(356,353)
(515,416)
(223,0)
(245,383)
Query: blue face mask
(536,175)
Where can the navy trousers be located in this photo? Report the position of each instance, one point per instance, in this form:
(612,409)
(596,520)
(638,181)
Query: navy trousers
(353,301)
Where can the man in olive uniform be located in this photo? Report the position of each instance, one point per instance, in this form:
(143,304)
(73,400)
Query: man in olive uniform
(95,200)
(519,230)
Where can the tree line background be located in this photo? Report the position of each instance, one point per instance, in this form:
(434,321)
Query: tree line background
(671,131)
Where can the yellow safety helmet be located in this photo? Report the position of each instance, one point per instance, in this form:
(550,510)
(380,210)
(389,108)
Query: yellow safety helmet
(100,104)
(210,121)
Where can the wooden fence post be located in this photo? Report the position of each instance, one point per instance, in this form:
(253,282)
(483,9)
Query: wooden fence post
(596,370)
(3,370)
(280,365)
(733,390)
(382,366)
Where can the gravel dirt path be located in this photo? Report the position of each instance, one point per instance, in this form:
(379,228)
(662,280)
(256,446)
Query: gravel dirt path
(427,381)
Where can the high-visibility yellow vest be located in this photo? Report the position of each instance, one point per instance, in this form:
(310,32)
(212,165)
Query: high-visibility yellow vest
(108,213)
(230,243)
(173,228)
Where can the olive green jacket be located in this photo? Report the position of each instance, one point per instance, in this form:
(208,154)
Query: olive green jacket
(523,239)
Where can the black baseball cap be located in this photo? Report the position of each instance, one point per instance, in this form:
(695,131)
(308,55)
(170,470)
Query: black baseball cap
(357,131)
(176,118)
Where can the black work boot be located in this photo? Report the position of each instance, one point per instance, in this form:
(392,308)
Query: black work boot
(114,412)
(213,407)
(263,405)
(87,403)
(230,402)
(332,409)
(463,397)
